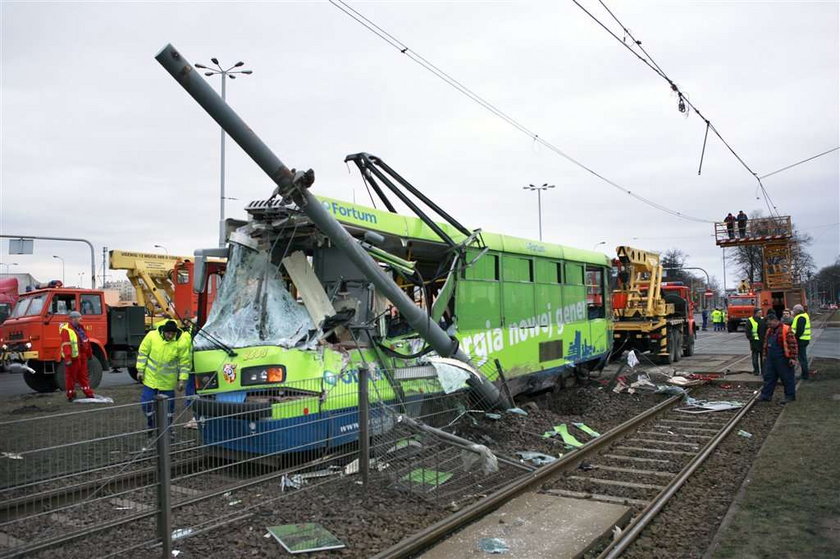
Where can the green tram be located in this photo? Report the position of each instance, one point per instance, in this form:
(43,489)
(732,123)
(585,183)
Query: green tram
(293,320)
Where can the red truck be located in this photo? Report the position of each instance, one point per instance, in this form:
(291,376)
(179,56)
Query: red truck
(8,296)
(30,341)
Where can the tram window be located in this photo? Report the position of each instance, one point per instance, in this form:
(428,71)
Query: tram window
(546,271)
(518,269)
(574,274)
(485,268)
(595,292)
(559,272)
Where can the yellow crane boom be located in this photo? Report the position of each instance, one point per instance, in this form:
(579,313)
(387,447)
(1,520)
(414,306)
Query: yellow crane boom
(642,283)
(151,276)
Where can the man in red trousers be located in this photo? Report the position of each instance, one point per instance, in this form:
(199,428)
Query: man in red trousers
(75,352)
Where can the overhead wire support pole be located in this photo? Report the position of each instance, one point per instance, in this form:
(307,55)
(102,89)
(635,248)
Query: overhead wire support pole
(69,239)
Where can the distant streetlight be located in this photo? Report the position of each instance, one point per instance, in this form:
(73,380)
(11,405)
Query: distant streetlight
(229,73)
(164,249)
(599,244)
(62,267)
(81,278)
(539,189)
(7,265)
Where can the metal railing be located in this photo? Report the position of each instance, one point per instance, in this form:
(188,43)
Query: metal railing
(113,480)
(753,231)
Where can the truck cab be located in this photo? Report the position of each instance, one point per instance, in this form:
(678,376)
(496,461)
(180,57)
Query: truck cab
(740,307)
(30,339)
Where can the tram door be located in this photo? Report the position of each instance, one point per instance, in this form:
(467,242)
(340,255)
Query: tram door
(598,311)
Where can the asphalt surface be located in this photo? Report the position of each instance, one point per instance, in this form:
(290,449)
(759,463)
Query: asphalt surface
(12,385)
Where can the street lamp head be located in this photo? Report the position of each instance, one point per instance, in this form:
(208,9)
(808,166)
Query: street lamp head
(208,73)
(231,77)
(249,72)
(238,64)
(215,61)
(54,256)
(202,66)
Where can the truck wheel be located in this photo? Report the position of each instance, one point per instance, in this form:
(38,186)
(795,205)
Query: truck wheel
(38,381)
(688,351)
(677,345)
(666,359)
(94,374)
(731,326)
(132,372)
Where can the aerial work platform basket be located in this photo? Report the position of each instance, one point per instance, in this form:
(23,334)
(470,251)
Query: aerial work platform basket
(758,231)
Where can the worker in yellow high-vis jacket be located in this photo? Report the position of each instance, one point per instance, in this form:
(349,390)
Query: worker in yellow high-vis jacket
(802,330)
(163,364)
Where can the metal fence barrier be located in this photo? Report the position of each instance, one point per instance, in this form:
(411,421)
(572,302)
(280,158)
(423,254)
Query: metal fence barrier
(132,480)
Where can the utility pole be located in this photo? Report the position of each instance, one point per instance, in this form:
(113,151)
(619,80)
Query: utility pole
(104,258)
(229,73)
(539,189)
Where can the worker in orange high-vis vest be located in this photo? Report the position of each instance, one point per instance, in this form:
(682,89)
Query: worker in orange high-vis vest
(75,352)
(780,352)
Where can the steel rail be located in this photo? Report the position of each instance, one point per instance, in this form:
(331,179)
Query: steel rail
(632,531)
(425,538)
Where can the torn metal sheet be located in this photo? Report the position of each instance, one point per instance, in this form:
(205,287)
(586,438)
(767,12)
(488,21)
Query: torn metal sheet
(309,287)
(588,430)
(699,406)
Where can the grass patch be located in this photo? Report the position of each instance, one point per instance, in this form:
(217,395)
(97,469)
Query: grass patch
(791,507)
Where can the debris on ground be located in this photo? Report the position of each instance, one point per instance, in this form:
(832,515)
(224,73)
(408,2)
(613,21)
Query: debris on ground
(745,434)
(181,533)
(305,538)
(588,430)
(95,400)
(536,458)
(493,545)
(12,456)
(586,466)
(695,406)
(517,411)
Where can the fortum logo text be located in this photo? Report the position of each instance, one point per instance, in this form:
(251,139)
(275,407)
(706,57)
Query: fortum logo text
(344,211)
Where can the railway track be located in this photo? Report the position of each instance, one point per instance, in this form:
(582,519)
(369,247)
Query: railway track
(642,463)
(64,504)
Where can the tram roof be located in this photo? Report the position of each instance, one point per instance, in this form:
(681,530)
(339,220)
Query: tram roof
(386,222)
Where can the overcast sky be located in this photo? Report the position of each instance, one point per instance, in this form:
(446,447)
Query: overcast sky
(99,142)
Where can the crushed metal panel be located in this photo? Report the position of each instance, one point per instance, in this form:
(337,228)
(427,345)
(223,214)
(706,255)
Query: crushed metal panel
(309,286)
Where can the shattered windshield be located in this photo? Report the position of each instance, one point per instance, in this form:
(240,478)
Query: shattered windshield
(253,306)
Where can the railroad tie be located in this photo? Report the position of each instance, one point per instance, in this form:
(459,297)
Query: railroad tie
(656,450)
(669,443)
(131,505)
(189,492)
(10,541)
(613,483)
(667,475)
(637,459)
(687,435)
(598,497)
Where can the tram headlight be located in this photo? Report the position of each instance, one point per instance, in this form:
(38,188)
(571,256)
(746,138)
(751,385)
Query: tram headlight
(263,375)
(28,345)
(206,381)
(5,347)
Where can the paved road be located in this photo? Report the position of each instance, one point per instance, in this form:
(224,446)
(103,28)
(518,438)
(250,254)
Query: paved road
(12,385)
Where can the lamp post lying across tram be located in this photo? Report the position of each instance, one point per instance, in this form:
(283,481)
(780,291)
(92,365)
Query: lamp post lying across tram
(539,189)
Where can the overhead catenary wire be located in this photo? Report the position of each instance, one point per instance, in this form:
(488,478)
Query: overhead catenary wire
(799,162)
(684,101)
(464,90)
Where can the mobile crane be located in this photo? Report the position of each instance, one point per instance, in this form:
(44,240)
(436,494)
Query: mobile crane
(649,315)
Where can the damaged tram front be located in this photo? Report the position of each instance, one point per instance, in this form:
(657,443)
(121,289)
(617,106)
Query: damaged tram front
(294,319)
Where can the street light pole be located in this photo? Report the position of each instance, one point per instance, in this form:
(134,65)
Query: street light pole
(62,267)
(539,189)
(599,244)
(229,73)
